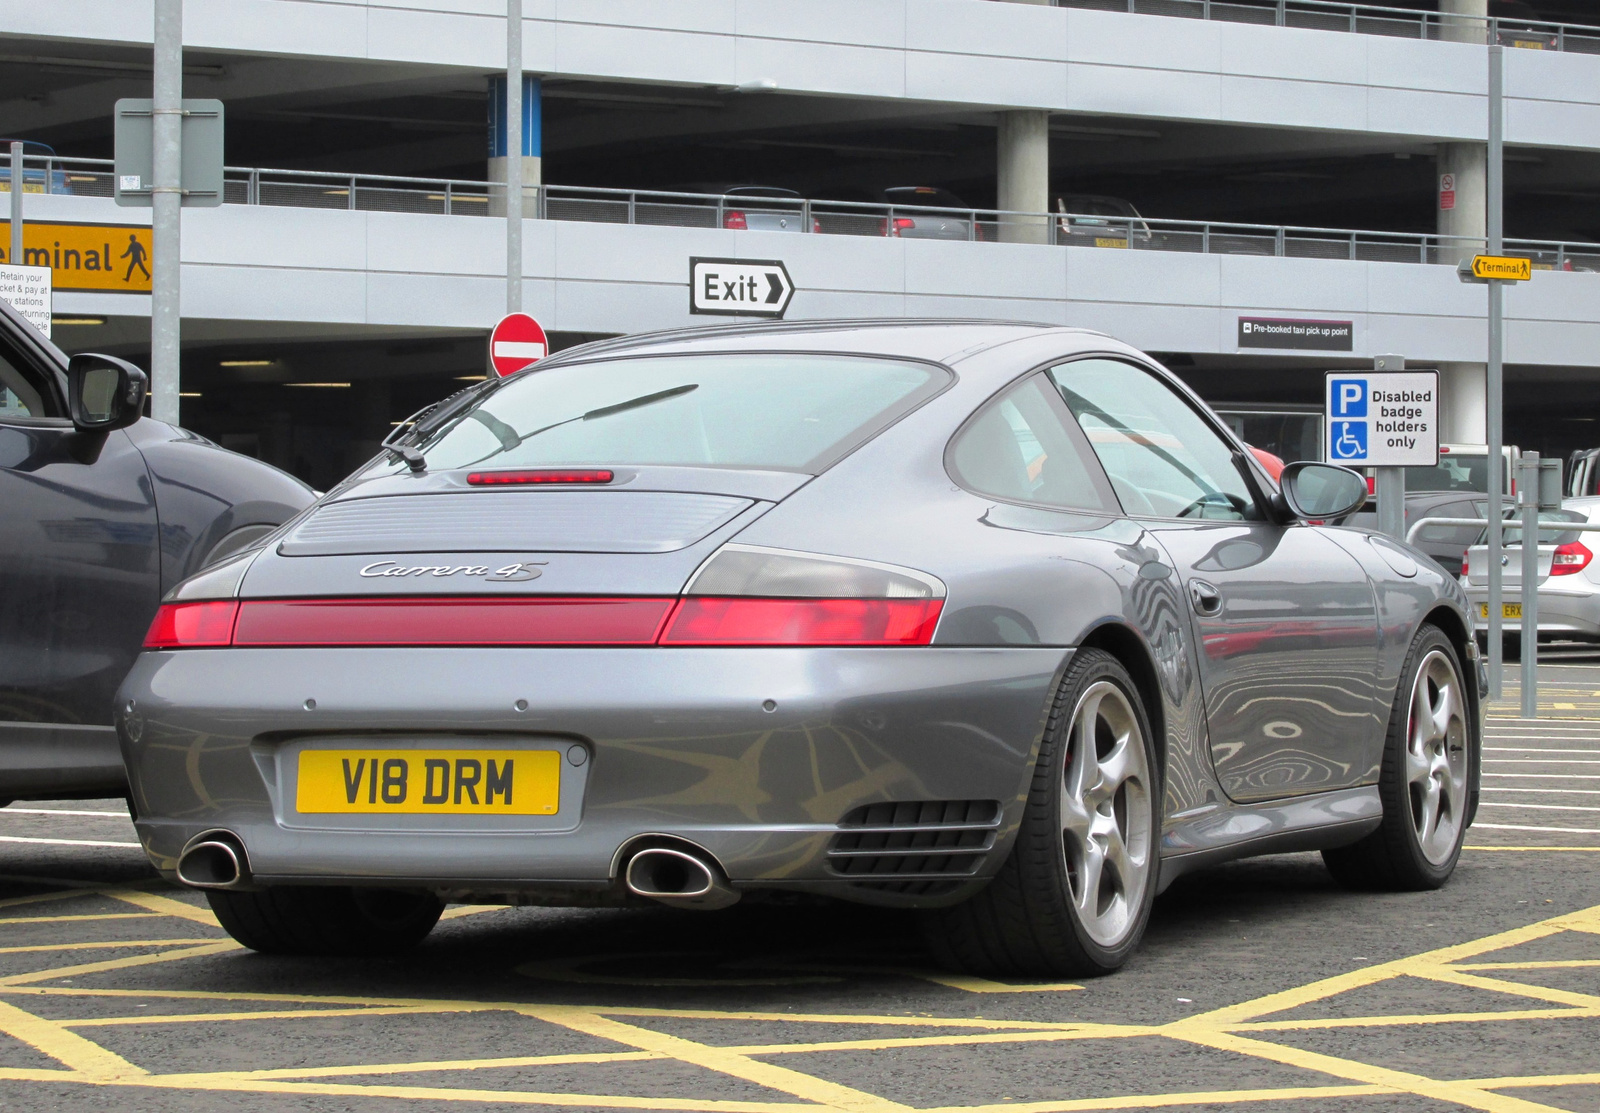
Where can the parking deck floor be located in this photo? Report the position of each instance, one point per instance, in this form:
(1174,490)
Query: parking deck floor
(1261,985)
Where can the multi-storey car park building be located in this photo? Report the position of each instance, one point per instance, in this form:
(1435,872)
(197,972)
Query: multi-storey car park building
(1285,157)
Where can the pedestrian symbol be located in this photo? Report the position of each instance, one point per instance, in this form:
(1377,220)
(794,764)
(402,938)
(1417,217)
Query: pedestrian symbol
(1349,441)
(134,253)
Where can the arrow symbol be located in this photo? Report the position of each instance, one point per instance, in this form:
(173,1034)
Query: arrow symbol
(774,288)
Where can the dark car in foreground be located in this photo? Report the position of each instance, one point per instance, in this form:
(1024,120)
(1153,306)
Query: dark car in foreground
(102,512)
(993,620)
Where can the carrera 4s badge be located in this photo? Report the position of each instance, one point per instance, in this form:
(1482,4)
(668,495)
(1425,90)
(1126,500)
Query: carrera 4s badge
(515,572)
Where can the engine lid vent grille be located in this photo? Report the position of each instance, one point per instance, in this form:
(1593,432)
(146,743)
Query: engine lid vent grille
(925,840)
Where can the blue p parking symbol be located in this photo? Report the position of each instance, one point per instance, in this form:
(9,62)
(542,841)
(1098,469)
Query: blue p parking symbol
(1347,398)
(1349,439)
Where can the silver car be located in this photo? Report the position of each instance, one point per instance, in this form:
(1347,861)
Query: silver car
(1569,577)
(993,620)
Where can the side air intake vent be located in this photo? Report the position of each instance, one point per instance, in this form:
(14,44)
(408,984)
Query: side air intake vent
(914,847)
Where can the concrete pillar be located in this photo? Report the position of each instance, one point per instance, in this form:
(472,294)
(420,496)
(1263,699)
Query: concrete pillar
(532,142)
(1024,170)
(1466,30)
(1463,390)
(1024,175)
(1463,403)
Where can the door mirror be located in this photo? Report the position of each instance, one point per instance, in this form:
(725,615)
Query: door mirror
(1322,492)
(104,392)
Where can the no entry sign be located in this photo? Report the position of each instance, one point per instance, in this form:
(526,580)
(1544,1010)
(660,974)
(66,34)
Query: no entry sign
(516,341)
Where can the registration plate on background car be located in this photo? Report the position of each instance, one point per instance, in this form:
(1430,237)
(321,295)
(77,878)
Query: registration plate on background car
(429,782)
(1507,610)
(1109,241)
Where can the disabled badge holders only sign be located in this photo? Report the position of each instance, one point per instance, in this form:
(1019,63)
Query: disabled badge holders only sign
(739,287)
(1382,419)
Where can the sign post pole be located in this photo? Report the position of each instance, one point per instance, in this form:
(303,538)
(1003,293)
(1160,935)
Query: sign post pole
(17,256)
(1528,501)
(513,156)
(166,199)
(1390,487)
(1495,375)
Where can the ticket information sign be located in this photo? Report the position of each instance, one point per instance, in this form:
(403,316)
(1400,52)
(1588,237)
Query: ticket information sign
(1382,419)
(28,291)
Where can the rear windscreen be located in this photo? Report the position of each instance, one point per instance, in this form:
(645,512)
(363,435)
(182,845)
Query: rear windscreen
(796,412)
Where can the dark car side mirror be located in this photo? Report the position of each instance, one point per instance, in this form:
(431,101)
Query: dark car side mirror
(104,392)
(1322,492)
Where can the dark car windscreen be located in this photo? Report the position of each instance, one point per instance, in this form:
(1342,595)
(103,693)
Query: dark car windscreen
(1451,473)
(794,411)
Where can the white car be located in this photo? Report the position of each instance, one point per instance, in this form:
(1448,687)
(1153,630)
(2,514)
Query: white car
(1569,576)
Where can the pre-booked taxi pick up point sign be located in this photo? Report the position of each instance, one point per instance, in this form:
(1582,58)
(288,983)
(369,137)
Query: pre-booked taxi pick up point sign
(739,287)
(516,341)
(1497,268)
(1383,419)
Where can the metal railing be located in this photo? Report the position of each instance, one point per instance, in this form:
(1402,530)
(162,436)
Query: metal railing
(660,208)
(1367,19)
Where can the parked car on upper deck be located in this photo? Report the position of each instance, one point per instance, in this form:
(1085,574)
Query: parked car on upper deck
(928,213)
(102,511)
(1089,220)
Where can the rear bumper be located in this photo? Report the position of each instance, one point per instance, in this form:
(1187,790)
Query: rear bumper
(1560,613)
(657,741)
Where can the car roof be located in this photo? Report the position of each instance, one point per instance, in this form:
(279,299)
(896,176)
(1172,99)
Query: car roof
(942,340)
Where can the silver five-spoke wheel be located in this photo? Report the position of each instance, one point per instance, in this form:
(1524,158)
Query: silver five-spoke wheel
(1436,757)
(1105,813)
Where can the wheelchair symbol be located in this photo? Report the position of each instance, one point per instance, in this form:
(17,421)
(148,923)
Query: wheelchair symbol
(1349,440)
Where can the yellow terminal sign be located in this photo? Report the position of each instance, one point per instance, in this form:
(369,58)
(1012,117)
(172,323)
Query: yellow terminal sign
(1506,268)
(103,257)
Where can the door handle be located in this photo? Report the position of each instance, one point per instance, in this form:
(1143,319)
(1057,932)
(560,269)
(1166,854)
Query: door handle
(1207,600)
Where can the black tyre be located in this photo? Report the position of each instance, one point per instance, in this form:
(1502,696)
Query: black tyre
(1429,767)
(326,920)
(1074,895)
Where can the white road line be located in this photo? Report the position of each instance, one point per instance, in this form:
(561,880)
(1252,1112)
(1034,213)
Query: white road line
(58,811)
(1540,807)
(1537,761)
(1530,750)
(66,842)
(1550,776)
(1554,791)
(1515,827)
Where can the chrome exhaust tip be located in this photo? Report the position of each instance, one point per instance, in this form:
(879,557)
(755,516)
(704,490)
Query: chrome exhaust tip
(216,860)
(680,878)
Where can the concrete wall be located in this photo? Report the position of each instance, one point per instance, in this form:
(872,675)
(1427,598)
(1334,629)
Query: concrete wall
(336,266)
(960,52)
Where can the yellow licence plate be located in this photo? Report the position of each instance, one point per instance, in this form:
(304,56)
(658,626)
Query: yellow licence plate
(429,782)
(1109,241)
(1507,610)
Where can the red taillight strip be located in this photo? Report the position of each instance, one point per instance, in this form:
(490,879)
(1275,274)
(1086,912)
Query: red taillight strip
(183,625)
(544,621)
(541,475)
(710,620)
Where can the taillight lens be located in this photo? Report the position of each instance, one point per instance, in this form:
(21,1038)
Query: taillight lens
(538,620)
(733,218)
(900,224)
(704,620)
(1572,557)
(193,625)
(816,225)
(538,476)
(1372,485)
(1466,561)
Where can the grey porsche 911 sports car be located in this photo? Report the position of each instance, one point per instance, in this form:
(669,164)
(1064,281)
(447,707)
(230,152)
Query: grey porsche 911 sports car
(993,620)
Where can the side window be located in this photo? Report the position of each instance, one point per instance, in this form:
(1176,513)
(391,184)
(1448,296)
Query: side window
(18,396)
(1020,448)
(1162,458)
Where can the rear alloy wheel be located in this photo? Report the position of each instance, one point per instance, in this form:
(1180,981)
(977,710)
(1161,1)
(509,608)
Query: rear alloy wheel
(1426,780)
(1075,893)
(326,920)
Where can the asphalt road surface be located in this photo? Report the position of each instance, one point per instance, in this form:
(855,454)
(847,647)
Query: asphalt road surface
(1261,986)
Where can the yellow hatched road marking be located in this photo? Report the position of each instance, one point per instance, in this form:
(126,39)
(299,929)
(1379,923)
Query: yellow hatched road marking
(74,919)
(1233,1028)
